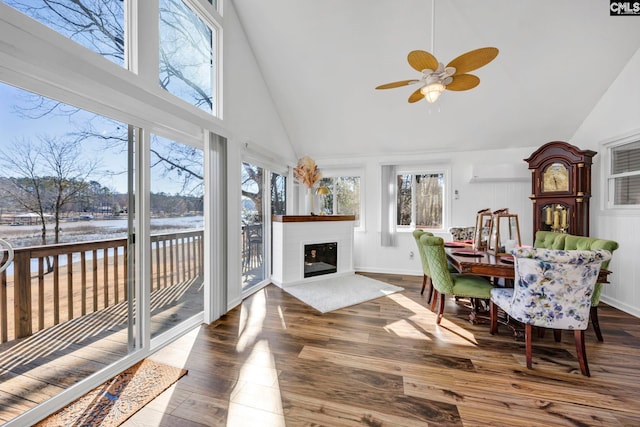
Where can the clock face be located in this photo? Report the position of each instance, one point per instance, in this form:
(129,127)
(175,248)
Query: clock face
(555,178)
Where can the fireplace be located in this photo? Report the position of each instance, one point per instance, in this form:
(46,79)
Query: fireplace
(320,258)
(291,233)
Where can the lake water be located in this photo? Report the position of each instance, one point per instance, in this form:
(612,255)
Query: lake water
(97,229)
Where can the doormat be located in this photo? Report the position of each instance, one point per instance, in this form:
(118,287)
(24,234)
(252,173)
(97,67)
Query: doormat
(113,402)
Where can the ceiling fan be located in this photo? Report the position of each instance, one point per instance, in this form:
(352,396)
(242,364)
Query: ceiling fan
(436,77)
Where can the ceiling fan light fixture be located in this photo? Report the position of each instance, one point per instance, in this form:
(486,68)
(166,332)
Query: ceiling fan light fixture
(432,91)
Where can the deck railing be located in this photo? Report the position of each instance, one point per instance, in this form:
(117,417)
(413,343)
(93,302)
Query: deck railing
(51,284)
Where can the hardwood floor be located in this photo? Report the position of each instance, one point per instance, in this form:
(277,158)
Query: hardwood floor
(275,361)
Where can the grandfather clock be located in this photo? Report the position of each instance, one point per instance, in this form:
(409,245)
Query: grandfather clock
(561,188)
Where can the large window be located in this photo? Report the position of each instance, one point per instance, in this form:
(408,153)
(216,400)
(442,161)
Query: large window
(95,24)
(420,200)
(187,59)
(624,174)
(343,197)
(114,211)
(65,207)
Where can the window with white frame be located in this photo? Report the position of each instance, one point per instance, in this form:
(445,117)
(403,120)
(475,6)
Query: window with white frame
(623,173)
(343,197)
(98,25)
(420,199)
(187,55)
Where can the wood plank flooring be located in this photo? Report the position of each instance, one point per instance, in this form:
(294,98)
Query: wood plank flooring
(275,361)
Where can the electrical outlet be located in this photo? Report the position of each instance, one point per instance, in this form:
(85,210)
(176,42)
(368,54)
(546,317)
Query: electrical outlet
(410,254)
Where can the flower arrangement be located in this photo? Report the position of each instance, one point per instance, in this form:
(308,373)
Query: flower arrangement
(307,172)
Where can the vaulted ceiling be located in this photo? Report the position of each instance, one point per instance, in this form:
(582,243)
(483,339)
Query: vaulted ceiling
(321,61)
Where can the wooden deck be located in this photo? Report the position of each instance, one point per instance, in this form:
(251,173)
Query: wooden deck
(274,361)
(34,368)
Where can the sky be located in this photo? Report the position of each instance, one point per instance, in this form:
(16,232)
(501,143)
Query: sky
(112,161)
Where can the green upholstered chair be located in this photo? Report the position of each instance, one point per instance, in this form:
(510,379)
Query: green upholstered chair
(553,240)
(426,277)
(446,283)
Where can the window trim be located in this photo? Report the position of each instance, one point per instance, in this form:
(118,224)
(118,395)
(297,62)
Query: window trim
(607,182)
(446,205)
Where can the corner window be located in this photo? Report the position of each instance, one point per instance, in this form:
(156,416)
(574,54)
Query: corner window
(420,200)
(623,177)
(343,197)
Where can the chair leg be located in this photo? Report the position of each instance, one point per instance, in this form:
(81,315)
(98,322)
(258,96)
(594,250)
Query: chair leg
(434,300)
(424,283)
(527,344)
(440,308)
(431,290)
(557,335)
(595,322)
(578,335)
(493,316)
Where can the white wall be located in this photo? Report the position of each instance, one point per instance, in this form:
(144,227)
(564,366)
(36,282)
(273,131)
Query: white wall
(616,114)
(371,256)
(250,119)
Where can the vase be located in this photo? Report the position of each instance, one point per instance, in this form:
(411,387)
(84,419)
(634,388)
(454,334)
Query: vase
(309,201)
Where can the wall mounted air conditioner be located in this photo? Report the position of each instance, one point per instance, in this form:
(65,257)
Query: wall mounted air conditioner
(504,172)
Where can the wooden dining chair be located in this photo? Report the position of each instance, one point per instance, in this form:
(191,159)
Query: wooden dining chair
(446,283)
(552,289)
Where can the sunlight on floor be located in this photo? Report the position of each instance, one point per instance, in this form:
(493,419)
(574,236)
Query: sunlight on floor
(422,325)
(252,314)
(179,359)
(255,399)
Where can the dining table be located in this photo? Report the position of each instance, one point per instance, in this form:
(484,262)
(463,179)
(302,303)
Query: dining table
(499,267)
(468,260)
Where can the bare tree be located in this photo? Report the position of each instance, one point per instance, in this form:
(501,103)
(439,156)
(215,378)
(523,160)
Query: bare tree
(45,177)
(95,24)
(252,180)
(99,26)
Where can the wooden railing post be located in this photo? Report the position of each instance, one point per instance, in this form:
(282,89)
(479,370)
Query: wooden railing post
(22,293)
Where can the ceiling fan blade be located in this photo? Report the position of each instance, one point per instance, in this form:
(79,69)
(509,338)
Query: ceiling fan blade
(463,82)
(416,96)
(420,60)
(397,84)
(473,60)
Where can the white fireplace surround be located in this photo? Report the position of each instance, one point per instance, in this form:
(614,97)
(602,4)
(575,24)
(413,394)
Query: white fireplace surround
(292,233)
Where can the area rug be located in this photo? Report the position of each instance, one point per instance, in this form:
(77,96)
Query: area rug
(331,294)
(113,402)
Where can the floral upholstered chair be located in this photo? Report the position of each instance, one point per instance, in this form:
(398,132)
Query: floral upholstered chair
(447,283)
(552,289)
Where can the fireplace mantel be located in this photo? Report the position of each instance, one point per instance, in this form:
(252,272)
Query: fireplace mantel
(312,218)
(292,232)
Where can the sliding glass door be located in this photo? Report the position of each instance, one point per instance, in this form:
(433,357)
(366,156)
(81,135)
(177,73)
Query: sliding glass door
(253,253)
(176,228)
(65,208)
